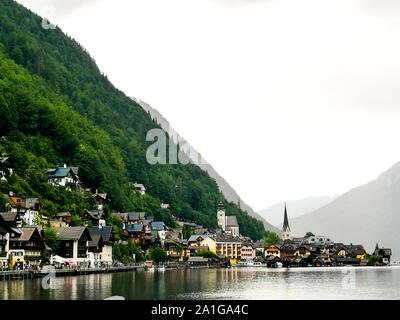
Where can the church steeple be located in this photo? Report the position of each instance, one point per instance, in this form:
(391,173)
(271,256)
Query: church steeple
(285,221)
(286,232)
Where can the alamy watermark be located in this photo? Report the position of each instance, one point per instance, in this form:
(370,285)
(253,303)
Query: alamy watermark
(170,148)
(48,281)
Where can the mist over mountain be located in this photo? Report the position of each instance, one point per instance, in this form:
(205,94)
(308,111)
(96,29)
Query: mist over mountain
(367,215)
(229,193)
(296,208)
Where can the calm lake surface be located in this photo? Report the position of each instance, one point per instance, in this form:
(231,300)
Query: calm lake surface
(233,283)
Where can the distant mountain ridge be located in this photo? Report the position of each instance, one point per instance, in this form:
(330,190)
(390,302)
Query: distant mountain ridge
(296,208)
(229,193)
(367,214)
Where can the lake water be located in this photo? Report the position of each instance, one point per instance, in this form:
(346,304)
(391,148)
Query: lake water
(215,283)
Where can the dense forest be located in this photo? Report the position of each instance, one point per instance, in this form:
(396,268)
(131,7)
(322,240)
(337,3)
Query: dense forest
(57,107)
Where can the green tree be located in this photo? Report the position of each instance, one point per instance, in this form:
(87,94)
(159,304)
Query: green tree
(309,234)
(51,239)
(158,255)
(206,254)
(271,238)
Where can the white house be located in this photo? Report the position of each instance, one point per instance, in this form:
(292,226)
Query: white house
(74,245)
(65,176)
(105,244)
(140,188)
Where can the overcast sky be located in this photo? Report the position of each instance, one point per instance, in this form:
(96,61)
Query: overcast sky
(285,98)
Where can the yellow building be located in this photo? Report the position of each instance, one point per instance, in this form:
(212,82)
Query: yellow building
(230,248)
(210,243)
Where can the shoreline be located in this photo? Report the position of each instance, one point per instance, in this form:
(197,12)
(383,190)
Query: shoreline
(31,275)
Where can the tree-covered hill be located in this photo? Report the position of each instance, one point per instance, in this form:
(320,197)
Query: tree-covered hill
(56,107)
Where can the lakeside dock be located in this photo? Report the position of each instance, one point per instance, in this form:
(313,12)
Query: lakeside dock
(32,274)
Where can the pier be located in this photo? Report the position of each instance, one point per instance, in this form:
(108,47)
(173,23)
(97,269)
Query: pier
(32,274)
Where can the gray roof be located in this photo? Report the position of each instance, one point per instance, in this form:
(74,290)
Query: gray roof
(9,216)
(134,216)
(231,221)
(105,232)
(70,233)
(26,234)
(96,239)
(138,227)
(62,172)
(157,226)
(227,239)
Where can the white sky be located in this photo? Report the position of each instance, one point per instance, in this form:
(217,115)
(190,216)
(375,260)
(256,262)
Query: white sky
(284,98)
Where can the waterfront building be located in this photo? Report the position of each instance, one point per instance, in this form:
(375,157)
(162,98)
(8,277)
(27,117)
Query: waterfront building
(5,231)
(273,250)
(383,254)
(25,248)
(302,251)
(352,251)
(247,251)
(95,251)
(107,241)
(287,251)
(259,246)
(74,244)
(229,247)
(203,240)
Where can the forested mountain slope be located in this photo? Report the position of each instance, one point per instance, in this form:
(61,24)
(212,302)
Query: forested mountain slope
(57,107)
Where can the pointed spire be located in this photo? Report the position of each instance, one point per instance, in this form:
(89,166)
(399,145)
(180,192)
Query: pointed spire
(285,221)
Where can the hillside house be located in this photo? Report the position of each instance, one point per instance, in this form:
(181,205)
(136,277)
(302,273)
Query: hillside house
(101,200)
(63,176)
(140,188)
(5,168)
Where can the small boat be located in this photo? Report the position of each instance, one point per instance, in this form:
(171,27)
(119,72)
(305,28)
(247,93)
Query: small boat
(161,268)
(148,266)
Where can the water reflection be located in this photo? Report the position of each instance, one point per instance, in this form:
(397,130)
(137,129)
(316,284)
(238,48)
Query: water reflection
(233,283)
